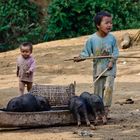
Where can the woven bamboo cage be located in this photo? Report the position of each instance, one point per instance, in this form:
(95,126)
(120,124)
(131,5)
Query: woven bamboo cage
(56,94)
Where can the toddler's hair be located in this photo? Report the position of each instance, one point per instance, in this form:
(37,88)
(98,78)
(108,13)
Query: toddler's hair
(98,17)
(25,44)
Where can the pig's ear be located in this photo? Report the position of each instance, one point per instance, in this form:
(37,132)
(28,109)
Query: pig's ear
(42,102)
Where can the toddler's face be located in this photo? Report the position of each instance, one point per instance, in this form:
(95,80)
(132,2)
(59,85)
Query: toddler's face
(106,25)
(25,51)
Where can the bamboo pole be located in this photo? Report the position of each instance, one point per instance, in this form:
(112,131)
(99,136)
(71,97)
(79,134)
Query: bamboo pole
(129,57)
(100,76)
(93,57)
(103,57)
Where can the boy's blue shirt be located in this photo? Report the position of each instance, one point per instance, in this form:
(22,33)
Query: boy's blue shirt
(98,46)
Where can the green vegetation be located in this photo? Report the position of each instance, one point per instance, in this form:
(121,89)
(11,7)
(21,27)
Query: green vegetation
(70,18)
(24,21)
(19,21)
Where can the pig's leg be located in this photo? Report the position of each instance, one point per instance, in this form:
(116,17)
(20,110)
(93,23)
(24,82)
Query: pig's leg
(86,118)
(77,114)
(95,116)
(78,119)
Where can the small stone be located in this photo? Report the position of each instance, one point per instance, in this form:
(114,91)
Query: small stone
(91,135)
(75,132)
(92,127)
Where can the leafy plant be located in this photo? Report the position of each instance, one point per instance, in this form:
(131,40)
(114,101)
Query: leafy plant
(19,21)
(71,18)
(25,21)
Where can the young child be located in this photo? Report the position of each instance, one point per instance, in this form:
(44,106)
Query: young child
(25,67)
(102,43)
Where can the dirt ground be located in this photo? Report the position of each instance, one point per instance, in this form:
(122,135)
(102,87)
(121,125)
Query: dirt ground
(52,69)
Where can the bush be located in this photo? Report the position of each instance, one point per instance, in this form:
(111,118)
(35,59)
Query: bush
(69,19)
(23,21)
(20,21)
(74,18)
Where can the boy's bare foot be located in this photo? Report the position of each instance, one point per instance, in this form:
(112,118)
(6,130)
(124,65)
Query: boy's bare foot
(107,111)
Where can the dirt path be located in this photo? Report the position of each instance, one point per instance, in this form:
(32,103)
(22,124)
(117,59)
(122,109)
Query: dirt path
(51,69)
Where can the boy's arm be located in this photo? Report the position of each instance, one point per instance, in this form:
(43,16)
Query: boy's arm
(17,67)
(86,52)
(17,72)
(115,52)
(32,67)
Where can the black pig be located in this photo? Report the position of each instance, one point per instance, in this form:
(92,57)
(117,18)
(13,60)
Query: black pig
(23,103)
(27,103)
(78,108)
(95,106)
(43,103)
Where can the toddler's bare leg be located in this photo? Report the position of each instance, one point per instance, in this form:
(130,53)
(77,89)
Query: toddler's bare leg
(78,119)
(21,87)
(29,86)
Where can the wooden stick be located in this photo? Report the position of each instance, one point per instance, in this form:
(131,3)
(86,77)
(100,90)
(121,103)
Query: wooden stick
(100,76)
(129,56)
(102,57)
(93,57)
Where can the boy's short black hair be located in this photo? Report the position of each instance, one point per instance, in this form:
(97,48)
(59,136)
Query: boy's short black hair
(27,44)
(98,17)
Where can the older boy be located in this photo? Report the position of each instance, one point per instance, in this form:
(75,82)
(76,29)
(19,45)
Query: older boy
(102,43)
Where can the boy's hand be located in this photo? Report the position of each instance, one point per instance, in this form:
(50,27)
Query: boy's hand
(110,65)
(78,59)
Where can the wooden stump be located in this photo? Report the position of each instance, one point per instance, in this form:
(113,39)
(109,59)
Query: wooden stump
(128,41)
